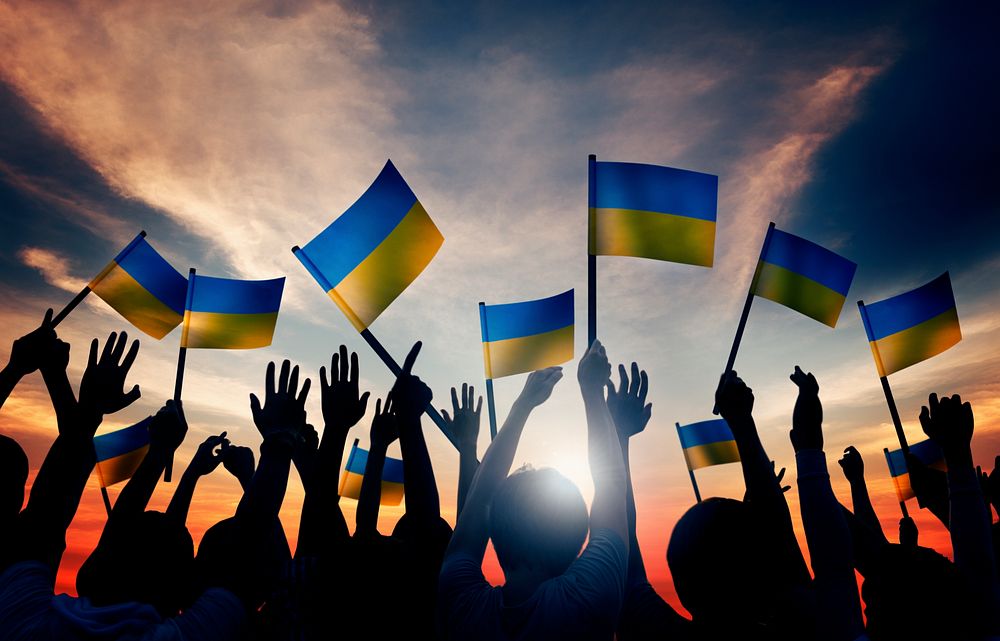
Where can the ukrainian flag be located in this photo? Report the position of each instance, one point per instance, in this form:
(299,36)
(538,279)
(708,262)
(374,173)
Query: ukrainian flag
(368,256)
(144,288)
(230,314)
(913,326)
(354,473)
(802,275)
(526,336)
(708,443)
(653,212)
(120,453)
(926,452)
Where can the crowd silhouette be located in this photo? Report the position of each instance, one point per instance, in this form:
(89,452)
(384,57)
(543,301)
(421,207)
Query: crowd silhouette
(570,572)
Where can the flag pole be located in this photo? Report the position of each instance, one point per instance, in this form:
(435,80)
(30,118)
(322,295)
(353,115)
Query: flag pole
(591,258)
(490,406)
(181,360)
(890,401)
(902,504)
(107,500)
(694,482)
(70,306)
(746,306)
(394,367)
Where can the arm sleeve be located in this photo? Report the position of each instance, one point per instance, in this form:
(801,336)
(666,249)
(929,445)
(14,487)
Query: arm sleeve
(596,580)
(462,594)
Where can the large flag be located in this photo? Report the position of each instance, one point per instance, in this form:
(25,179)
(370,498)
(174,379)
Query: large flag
(354,473)
(526,336)
(708,443)
(802,275)
(230,314)
(366,258)
(927,452)
(653,212)
(913,326)
(119,453)
(144,288)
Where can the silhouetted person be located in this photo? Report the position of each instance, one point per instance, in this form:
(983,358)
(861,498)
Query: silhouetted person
(853,466)
(538,522)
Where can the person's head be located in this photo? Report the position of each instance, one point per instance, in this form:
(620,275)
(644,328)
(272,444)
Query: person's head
(538,521)
(13,476)
(719,564)
(149,558)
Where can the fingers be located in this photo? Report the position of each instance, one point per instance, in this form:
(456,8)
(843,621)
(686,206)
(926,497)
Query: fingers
(119,348)
(622,381)
(447,417)
(411,358)
(465,396)
(354,369)
(286,366)
(454,399)
(363,401)
(378,406)
(47,321)
(388,402)
(323,384)
(269,381)
(132,396)
(92,358)
(306,384)
(108,347)
(254,405)
(643,386)
(293,381)
(633,388)
(479,408)
(933,403)
(130,356)
(343,373)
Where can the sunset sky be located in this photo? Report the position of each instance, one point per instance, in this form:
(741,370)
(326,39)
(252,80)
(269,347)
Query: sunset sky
(232,131)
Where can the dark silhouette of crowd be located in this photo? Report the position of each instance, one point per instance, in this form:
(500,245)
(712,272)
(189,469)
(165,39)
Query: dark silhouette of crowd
(570,572)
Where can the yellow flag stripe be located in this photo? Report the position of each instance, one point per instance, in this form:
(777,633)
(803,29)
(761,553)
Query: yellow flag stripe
(920,342)
(711,454)
(228,331)
(528,353)
(133,301)
(646,234)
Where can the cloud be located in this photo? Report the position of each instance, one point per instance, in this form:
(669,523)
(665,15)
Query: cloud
(55,269)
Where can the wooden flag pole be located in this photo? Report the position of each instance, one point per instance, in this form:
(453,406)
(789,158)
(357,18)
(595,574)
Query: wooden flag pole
(694,482)
(746,306)
(168,472)
(394,367)
(490,406)
(890,401)
(591,258)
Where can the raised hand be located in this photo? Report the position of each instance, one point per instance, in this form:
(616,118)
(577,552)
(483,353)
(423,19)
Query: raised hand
(239,462)
(627,404)
(538,387)
(168,428)
(410,395)
(209,455)
(807,418)
(733,398)
(949,423)
(464,423)
(385,428)
(283,412)
(102,387)
(38,349)
(343,407)
(908,532)
(853,465)
(594,370)
(779,477)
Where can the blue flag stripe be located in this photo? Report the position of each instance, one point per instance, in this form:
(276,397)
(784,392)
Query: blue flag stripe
(358,461)
(909,309)
(228,296)
(704,432)
(813,261)
(155,274)
(527,318)
(125,440)
(624,185)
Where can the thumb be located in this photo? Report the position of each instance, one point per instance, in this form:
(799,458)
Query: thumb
(255,408)
(132,396)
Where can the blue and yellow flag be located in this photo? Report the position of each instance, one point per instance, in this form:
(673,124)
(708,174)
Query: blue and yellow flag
(927,452)
(913,326)
(144,288)
(120,453)
(708,443)
(653,212)
(223,313)
(354,473)
(526,336)
(802,275)
(368,256)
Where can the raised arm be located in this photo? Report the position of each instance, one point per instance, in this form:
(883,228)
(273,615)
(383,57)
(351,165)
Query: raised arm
(384,431)
(206,458)
(854,470)
(472,527)
(239,461)
(464,424)
(32,352)
(827,532)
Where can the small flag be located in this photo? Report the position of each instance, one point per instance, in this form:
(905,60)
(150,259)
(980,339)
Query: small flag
(526,336)
(144,288)
(354,472)
(653,212)
(913,326)
(366,258)
(120,453)
(802,275)
(927,452)
(708,443)
(230,314)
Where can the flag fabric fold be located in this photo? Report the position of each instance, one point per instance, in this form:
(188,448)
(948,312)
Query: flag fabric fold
(927,452)
(527,336)
(223,313)
(354,473)
(804,276)
(912,326)
(119,453)
(649,211)
(144,288)
(365,258)
(708,443)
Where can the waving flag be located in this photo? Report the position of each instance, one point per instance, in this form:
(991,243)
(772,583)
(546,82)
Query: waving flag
(144,288)
(913,326)
(655,212)
(925,451)
(802,275)
(371,253)
(120,453)
(230,314)
(354,473)
(526,336)
(708,443)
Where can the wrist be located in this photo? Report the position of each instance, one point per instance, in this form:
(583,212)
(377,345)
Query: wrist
(11,373)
